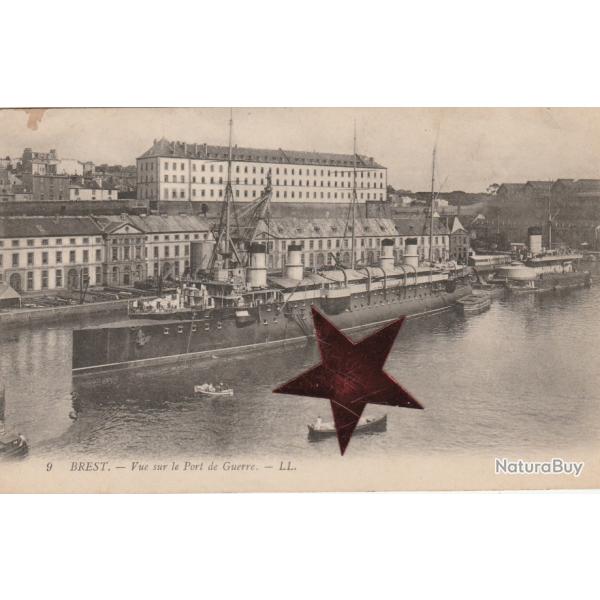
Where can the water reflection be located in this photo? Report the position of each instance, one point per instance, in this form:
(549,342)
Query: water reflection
(521,376)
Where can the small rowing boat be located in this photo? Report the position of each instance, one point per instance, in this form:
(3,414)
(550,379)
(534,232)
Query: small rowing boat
(206,390)
(326,430)
(16,448)
(474,304)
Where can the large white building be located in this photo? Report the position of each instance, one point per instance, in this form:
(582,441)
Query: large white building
(46,253)
(177,171)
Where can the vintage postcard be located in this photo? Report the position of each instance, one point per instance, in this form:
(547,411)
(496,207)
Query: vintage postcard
(299,299)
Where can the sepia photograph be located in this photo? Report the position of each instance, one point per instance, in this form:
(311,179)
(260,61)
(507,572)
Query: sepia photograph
(299,300)
(203,299)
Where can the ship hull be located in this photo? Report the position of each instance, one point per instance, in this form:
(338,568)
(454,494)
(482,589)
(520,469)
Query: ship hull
(133,345)
(551,282)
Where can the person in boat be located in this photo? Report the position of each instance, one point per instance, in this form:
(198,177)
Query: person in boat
(20,440)
(318,424)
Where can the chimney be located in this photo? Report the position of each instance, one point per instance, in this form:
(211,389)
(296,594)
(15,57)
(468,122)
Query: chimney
(386,260)
(257,271)
(293,265)
(411,256)
(535,240)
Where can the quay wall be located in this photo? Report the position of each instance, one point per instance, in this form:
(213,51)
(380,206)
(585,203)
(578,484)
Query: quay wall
(53,314)
(53,208)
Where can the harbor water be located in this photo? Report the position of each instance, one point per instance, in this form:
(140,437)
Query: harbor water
(522,376)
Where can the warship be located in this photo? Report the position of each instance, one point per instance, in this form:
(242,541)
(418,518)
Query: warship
(541,270)
(236,305)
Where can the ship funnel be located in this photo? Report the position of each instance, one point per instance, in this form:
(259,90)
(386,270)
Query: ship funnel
(293,266)
(257,271)
(411,256)
(535,240)
(386,260)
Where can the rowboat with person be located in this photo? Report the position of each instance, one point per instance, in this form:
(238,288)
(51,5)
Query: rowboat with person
(319,430)
(208,389)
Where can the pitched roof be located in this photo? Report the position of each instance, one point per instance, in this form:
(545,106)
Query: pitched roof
(580,187)
(541,186)
(7,292)
(166,148)
(20,227)
(512,187)
(587,187)
(171,223)
(455,225)
(295,228)
(112,224)
(420,226)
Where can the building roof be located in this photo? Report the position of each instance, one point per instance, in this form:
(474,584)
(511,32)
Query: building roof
(419,227)
(580,187)
(166,148)
(7,292)
(296,228)
(541,186)
(21,227)
(111,224)
(511,187)
(166,224)
(586,187)
(155,223)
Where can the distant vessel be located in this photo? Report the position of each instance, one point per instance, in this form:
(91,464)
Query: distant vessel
(542,271)
(14,447)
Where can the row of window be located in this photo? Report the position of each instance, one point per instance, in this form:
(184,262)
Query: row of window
(186,236)
(16,243)
(284,170)
(123,253)
(173,194)
(59,281)
(57,242)
(165,268)
(167,251)
(284,182)
(58,257)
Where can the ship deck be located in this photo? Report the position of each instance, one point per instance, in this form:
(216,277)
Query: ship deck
(133,323)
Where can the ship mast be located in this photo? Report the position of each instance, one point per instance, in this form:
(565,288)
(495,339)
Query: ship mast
(353,206)
(431,206)
(223,242)
(549,224)
(228,192)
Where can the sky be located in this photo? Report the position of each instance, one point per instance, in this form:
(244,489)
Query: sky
(475,146)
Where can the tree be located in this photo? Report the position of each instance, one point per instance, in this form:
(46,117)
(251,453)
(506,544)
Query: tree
(493,189)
